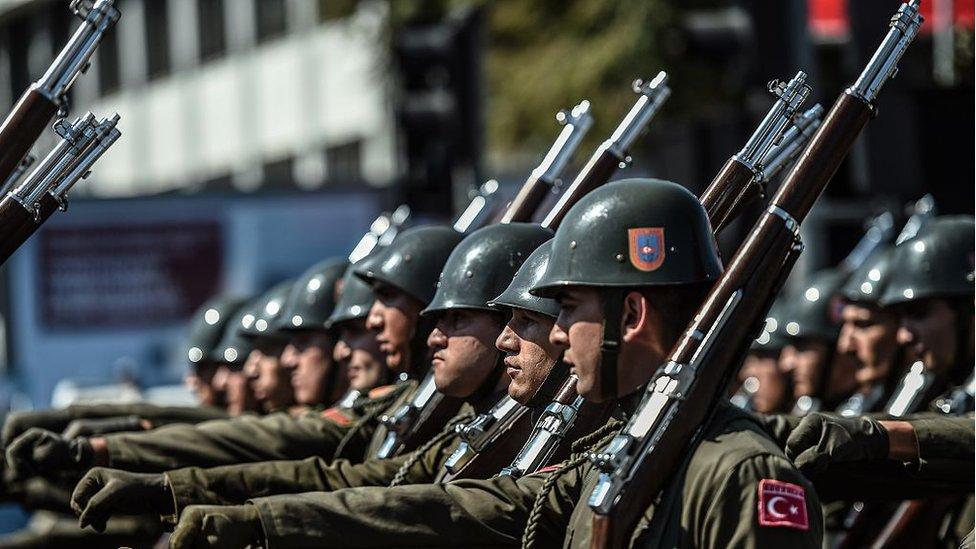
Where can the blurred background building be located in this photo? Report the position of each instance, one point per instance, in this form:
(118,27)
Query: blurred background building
(260,136)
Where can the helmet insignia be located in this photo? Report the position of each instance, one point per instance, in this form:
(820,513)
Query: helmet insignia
(646,247)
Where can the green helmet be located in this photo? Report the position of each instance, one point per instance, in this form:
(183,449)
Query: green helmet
(413,262)
(354,301)
(815,312)
(627,234)
(207,327)
(517,296)
(234,347)
(633,232)
(312,297)
(262,319)
(938,262)
(483,264)
(867,284)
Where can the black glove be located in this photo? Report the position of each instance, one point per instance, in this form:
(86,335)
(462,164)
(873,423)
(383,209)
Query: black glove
(40,452)
(230,526)
(101,426)
(17,423)
(104,492)
(821,440)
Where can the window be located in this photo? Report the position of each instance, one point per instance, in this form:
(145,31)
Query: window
(271,19)
(210,19)
(157,38)
(343,162)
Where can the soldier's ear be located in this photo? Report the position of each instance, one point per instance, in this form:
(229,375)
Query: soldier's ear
(635,316)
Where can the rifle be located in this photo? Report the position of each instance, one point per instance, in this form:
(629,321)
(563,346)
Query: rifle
(483,431)
(47,96)
(478,212)
(575,122)
(22,166)
(742,173)
(922,212)
(723,196)
(50,193)
(681,396)
(614,152)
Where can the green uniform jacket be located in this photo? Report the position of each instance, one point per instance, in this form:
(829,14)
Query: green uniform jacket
(235,484)
(719,505)
(247,439)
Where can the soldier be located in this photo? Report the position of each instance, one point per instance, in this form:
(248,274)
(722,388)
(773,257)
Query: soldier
(630,264)
(316,380)
(415,257)
(931,290)
(466,365)
(810,325)
(269,379)
(868,337)
(762,386)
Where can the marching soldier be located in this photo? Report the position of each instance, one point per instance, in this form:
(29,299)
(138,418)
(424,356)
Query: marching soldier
(466,364)
(810,325)
(629,265)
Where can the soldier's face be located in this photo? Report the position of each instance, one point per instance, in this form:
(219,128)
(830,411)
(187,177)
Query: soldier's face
(578,332)
(393,319)
(270,382)
(308,357)
(358,349)
(200,381)
(462,346)
(237,391)
(771,389)
(868,335)
(529,355)
(928,329)
(803,362)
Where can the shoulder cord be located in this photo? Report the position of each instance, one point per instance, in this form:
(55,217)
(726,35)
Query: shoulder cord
(599,437)
(415,456)
(376,407)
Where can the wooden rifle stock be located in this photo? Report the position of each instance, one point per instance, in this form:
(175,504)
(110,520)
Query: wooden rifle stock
(637,464)
(725,191)
(22,127)
(597,171)
(15,220)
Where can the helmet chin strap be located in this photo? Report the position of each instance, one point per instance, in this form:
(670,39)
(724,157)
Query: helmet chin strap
(550,385)
(613,304)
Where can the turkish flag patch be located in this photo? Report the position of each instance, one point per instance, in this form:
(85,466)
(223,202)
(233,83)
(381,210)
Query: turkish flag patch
(782,504)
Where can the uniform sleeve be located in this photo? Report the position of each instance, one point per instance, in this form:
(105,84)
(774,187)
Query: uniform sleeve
(465,513)
(737,513)
(159,415)
(778,426)
(945,467)
(245,439)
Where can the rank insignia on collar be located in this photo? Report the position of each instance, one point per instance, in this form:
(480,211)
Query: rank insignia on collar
(646,247)
(782,504)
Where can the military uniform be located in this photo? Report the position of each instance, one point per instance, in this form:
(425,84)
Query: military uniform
(719,488)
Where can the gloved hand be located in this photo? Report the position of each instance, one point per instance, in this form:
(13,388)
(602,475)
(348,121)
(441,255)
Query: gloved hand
(230,526)
(821,440)
(104,492)
(101,426)
(17,423)
(40,452)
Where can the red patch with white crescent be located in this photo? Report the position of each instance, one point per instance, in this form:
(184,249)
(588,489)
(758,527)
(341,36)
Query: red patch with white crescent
(646,247)
(782,504)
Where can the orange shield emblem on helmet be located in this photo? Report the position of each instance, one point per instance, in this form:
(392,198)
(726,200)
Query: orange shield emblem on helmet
(646,247)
